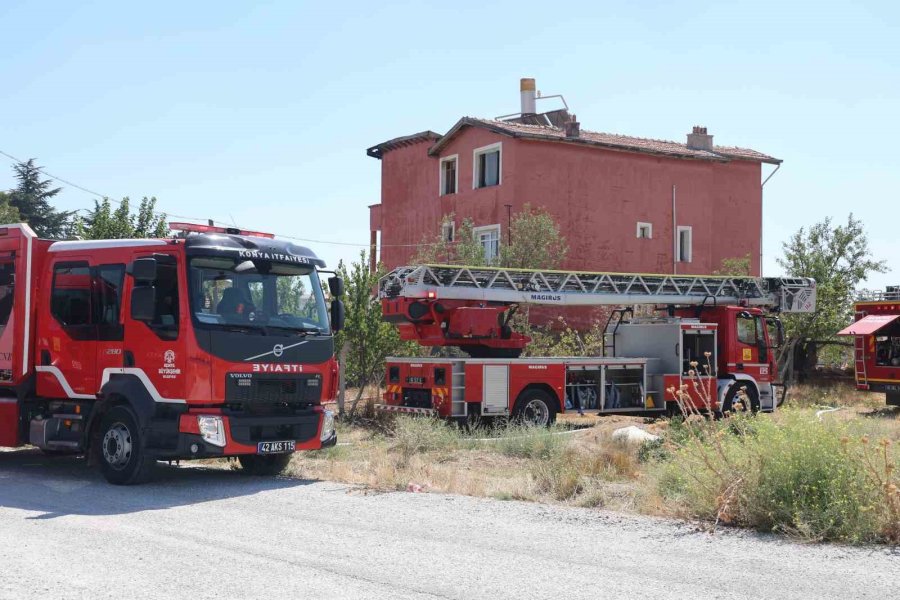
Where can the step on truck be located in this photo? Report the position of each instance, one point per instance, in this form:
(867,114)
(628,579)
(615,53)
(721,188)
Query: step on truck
(216,342)
(876,342)
(712,337)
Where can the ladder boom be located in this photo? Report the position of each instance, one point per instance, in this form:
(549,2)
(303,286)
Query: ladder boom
(583,288)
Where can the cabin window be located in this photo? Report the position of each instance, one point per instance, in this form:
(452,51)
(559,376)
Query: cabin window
(70,299)
(746,330)
(7,287)
(165,319)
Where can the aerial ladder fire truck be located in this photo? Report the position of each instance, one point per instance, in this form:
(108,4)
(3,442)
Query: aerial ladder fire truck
(876,342)
(713,335)
(213,343)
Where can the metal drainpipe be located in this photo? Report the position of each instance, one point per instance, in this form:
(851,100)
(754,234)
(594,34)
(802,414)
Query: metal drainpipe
(674,236)
(766,180)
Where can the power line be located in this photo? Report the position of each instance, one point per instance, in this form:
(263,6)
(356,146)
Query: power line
(221,223)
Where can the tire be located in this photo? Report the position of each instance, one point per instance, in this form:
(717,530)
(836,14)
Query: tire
(254,464)
(535,408)
(732,404)
(123,457)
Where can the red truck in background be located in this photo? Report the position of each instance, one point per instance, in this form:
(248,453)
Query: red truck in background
(214,343)
(712,335)
(876,343)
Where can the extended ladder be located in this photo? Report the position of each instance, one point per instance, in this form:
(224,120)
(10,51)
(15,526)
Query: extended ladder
(584,288)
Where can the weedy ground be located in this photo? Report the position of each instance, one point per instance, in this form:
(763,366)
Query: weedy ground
(807,471)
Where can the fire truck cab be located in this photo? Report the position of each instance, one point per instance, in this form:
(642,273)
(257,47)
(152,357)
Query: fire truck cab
(216,343)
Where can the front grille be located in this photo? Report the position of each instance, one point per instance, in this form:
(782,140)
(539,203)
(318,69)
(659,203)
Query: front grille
(416,398)
(300,426)
(249,388)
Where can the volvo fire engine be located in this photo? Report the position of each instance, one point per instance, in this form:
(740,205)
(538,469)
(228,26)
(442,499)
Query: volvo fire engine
(712,335)
(876,343)
(214,343)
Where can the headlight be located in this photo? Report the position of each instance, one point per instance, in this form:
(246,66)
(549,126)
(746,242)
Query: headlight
(327,426)
(212,430)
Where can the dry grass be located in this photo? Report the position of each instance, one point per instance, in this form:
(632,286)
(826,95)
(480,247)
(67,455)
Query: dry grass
(787,451)
(560,465)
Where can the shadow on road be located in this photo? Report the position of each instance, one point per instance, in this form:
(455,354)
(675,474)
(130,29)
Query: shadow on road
(64,485)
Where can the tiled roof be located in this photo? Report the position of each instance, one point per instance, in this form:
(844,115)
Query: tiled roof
(606,140)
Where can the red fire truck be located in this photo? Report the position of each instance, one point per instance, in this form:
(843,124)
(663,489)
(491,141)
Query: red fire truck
(715,327)
(876,347)
(214,343)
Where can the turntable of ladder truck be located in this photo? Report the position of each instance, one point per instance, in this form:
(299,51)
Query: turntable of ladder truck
(216,342)
(876,342)
(721,322)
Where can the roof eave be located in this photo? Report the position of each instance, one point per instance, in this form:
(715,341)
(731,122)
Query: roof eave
(378,150)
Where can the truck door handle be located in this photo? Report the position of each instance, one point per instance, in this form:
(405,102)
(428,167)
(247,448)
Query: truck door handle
(45,358)
(128,359)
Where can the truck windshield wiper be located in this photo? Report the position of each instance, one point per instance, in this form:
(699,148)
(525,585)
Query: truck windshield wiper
(242,328)
(295,330)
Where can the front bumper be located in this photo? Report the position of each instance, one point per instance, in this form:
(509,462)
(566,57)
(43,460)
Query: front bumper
(243,433)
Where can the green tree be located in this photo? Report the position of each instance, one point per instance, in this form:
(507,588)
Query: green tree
(534,241)
(462,248)
(737,266)
(838,257)
(8,212)
(104,223)
(366,339)
(31,197)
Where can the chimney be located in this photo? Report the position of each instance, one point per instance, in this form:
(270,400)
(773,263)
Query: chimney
(573,128)
(699,139)
(527,92)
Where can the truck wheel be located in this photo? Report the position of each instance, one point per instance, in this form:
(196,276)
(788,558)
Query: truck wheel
(254,464)
(123,459)
(733,404)
(535,408)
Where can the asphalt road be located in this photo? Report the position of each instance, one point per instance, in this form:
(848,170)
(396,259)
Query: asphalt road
(206,533)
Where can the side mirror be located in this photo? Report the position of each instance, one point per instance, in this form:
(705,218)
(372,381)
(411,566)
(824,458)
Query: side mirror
(778,342)
(337,315)
(336,286)
(143,303)
(143,269)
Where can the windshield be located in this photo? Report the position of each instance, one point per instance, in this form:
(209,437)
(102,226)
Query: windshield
(257,295)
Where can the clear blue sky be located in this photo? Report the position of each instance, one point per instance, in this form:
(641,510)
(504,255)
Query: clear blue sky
(261,112)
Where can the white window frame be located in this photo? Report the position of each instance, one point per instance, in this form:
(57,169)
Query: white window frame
(690,245)
(475,163)
(451,227)
(454,157)
(477,231)
(641,225)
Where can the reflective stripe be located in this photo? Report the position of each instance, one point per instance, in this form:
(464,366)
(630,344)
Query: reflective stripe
(107,373)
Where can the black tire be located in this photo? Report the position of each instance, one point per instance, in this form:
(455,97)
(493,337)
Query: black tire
(535,408)
(731,404)
(274,464)
(122,453)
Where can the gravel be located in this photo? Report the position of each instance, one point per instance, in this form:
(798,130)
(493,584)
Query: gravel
(211,533)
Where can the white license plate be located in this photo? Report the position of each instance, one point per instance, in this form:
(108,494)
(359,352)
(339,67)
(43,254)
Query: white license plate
(275,447)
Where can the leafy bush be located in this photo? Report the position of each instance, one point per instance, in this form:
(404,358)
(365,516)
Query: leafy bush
(819,480)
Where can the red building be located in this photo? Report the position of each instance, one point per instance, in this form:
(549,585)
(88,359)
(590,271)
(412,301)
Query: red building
(623,203)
